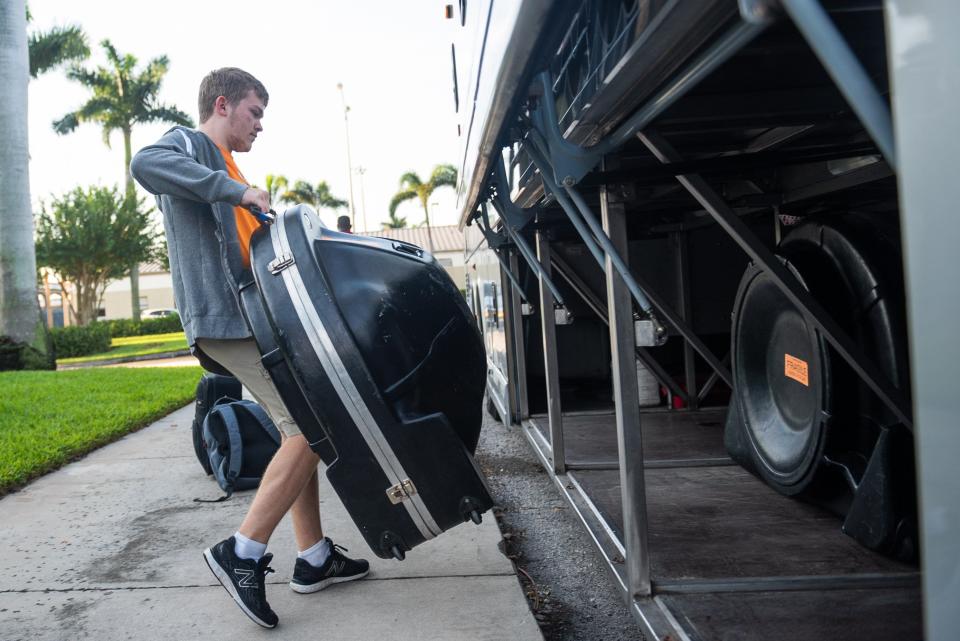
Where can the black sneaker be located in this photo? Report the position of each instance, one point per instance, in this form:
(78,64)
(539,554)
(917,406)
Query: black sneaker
(243,579)
(336,569)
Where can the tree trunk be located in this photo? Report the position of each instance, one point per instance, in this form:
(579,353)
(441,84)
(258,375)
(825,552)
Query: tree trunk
(86,302)
(24,341)
(426,213)
(131,193)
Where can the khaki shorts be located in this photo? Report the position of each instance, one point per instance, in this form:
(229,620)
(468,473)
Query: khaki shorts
(242,358)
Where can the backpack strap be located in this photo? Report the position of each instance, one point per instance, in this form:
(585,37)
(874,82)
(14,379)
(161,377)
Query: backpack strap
(263,419)
(236,443)
(228,416)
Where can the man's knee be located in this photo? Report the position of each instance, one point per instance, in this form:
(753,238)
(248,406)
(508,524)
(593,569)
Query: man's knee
(298,445)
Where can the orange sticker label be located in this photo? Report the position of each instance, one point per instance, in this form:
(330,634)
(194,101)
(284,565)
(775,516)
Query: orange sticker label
(796,369)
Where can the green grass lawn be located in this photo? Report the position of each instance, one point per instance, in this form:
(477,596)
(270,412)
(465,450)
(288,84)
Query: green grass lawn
(134,346)
(49,418)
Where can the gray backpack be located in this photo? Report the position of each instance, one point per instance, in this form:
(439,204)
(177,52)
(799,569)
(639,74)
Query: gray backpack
(240,439)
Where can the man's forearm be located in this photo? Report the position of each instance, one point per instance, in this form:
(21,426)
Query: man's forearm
(166,169)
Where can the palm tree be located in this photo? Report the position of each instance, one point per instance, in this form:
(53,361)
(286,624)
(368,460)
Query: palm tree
(317,195)
(412,187)
(122,98)
(395,222)
(276,186)
(53,48)
(24,341)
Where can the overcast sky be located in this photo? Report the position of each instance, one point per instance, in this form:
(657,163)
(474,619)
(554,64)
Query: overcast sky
(392,56)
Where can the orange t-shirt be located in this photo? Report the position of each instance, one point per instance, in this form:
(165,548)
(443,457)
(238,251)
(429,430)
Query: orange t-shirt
(246,223)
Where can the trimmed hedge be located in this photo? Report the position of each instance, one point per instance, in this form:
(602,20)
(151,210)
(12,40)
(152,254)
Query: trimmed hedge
(129,327)
(80,341)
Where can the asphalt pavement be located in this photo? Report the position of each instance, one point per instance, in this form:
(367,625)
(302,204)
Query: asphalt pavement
(572,594)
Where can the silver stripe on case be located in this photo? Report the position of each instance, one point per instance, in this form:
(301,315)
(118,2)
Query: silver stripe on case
(342,382)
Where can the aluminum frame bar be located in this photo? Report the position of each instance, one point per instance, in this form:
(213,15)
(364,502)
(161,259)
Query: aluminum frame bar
(551,368)
(657,302)
(528,255)
(633,495)
(655,623)
(849,75)
(710,382)
(686,310)
(496,243)
(789,583)
(611,252)
(579,213)
(538,154)
(520,356)
(785,281)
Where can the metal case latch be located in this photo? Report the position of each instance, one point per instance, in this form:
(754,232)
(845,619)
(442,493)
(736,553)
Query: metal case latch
(280,263)
(401,491)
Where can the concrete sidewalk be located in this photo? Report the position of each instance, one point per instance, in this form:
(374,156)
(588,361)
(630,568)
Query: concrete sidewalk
(110,548)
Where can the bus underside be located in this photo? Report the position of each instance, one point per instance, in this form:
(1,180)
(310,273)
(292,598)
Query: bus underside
(687,266)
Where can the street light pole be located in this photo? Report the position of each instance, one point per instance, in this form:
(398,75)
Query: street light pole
(363,197)
(346,127)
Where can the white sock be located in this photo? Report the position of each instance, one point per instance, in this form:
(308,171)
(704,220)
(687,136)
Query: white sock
(248,548)
(317,554)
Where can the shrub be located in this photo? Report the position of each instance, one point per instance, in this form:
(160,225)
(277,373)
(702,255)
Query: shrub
(80,340)
(129,327)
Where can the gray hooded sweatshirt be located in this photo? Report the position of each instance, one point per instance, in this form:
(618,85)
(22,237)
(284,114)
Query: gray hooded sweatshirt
(186,172)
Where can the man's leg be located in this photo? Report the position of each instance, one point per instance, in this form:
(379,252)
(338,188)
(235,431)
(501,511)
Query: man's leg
(285,484)
(290,482)
(305,513)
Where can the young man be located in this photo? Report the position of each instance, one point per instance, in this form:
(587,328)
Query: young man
(203,197)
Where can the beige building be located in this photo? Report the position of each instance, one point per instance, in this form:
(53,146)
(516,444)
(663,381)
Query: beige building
(156,291)
(156,286)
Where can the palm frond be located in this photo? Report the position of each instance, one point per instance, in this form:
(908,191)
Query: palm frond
(445,169)
(105,134)
(96,109)
(276,184)
(111,52)
(66,124)
(155,70)
(443,176)
(53,48)
(166,113)
(410,180)
(395,222)
(325,197)
(399,197)
(334,203)
(97,80)
(301,192)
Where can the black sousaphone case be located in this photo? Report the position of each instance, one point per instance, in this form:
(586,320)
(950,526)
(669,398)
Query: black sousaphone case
(375,354)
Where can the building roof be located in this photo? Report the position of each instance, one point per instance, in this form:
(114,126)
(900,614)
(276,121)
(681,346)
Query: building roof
(153,268)
(446,238)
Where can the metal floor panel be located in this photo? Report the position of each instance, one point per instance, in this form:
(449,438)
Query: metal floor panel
(591,438)
(730,557)
(721,522)
(837,615)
